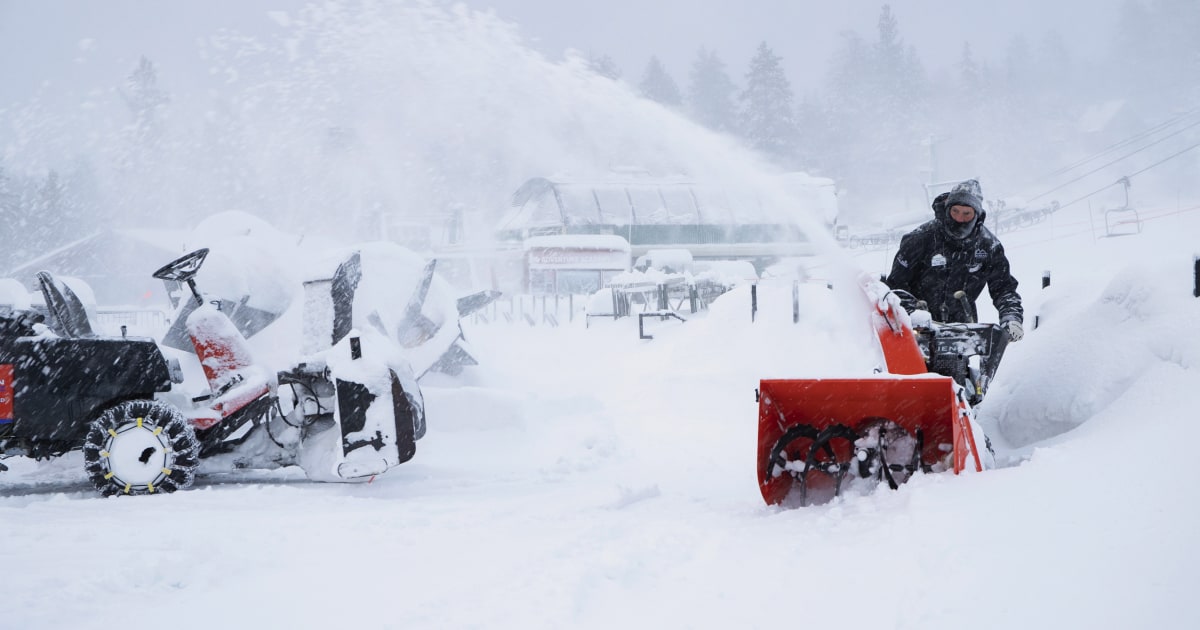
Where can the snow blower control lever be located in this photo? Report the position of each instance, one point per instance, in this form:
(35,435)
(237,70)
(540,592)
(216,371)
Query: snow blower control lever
(961,296)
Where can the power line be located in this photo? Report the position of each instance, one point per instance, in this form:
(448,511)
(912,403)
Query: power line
(1098,190)
(1125,142)
(1172,156)
(1104,166)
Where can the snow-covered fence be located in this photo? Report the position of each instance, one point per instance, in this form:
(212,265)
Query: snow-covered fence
(534,310)
(138,322)
(674,293)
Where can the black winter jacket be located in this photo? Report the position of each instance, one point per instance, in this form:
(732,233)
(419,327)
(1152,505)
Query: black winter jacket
(932,266)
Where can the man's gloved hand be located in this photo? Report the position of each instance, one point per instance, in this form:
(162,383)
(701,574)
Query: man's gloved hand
(1015,332)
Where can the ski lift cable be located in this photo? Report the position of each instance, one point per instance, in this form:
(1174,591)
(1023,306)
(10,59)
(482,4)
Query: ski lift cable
(1117,145)
(1134,174)
(1108,164)
(1120,144)
(1169,157)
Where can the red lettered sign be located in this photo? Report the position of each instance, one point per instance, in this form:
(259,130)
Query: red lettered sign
(6,392)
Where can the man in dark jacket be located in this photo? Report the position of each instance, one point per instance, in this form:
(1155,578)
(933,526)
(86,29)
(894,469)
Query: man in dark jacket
(954,252)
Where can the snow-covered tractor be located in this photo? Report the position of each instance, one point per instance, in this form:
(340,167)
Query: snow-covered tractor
(63,388)
(350,410)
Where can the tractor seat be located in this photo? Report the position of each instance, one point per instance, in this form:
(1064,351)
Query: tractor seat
(65,314)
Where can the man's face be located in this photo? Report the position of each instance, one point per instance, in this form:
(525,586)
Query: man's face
(962,214)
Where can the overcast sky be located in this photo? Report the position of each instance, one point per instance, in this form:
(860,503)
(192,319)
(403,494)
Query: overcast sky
(803,32)
(85,44)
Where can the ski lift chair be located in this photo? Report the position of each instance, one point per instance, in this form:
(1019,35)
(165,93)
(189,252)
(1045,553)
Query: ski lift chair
(1124,220)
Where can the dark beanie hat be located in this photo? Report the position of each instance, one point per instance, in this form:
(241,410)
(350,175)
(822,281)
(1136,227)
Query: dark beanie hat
(967,193)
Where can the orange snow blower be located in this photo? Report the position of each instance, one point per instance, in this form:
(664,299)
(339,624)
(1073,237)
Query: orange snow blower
(817,435)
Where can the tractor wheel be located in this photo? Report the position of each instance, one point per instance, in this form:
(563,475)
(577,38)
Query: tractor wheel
(140,447)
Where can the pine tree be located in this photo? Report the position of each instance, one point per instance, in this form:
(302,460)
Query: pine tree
(1053,67)
(813,125)
(82,212)
(9,198)
(10,217)
(50,229)
(711,92)
(768,112)
(604,66)
(878,132)
(658,86)
(148,185)
(1156,52)
(145,99)
(889,50)
(1019,63)
(970,82)
(896,72)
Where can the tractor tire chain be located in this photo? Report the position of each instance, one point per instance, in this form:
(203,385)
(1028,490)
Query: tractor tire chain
(168,437)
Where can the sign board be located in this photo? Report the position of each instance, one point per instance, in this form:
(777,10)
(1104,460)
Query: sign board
(6,393)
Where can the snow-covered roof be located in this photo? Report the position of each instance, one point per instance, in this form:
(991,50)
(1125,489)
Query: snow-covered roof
(579,241)
(166,242)
(542,202)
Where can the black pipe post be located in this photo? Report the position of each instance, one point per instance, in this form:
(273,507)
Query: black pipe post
(753,301)
(1196,272)
(795,301)
(1045,278)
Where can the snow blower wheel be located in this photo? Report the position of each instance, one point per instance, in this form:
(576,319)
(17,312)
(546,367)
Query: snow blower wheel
(140,447)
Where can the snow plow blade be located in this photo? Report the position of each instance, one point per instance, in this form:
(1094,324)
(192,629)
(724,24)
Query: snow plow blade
(807,428)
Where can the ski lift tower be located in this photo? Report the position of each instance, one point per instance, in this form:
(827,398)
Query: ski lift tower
(933,189)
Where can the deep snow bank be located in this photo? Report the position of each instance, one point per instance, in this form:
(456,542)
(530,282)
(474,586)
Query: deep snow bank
(1087,355)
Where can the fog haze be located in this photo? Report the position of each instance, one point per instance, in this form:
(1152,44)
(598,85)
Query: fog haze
(109,36)
(804,32)
(120,112)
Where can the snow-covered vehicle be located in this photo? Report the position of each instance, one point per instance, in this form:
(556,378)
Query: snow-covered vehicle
(64,388)
(817,435)
(350,410)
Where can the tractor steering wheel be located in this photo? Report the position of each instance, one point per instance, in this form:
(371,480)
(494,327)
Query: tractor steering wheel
(183,268)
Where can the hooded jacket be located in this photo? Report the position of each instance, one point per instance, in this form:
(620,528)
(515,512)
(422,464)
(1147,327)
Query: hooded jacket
(941,257)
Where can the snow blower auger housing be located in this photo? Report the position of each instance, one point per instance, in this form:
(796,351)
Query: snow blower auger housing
(817,435)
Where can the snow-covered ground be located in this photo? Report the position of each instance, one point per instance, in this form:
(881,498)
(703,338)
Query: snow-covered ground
(582,477)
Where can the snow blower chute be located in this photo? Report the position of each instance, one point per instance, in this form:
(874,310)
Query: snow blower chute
(817,435)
